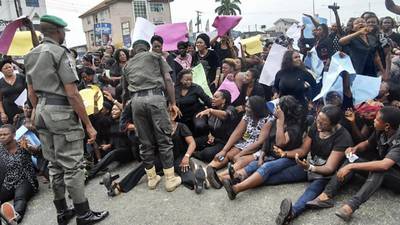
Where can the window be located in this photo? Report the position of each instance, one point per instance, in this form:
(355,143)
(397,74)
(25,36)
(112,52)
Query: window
(156,7)
(139,8)
(88,20)
(32,3)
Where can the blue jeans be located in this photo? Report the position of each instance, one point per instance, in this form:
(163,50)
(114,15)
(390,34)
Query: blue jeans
(315,188)
(269,168)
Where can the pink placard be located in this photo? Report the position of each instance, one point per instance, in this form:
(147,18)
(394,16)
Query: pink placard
(225,23)
(172,34)
(231,87)
(8,34)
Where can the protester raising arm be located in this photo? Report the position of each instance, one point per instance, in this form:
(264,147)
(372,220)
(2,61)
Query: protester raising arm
(392,7)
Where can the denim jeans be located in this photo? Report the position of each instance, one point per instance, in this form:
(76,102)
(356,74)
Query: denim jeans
(389,179)
(313,190)
(297,174)
(269,168)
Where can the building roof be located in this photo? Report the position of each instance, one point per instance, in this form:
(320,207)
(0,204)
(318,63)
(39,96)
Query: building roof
(104,4)
(287,20)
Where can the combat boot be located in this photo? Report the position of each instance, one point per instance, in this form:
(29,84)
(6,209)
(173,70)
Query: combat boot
(64,214)
(85,216)
(171,181)
(152,178)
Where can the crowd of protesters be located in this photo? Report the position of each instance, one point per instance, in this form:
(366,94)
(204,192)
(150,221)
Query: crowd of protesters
(243,143)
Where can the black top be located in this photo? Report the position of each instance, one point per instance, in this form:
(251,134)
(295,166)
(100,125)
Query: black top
(222,53)
(10,94)
(222,129)
(322,148)
(363,55)
(292,82)
(295,133)
(190,104)
(117,138)
(395,37)
(387,147)
(178,138)
(210,64)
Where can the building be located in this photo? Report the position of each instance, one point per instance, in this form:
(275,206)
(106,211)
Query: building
(112,21)
(283,24)
(34,9)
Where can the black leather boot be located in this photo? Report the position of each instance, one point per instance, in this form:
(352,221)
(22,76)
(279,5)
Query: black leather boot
(86,216)
(64,214)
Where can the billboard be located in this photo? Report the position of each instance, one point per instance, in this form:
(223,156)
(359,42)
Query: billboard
(102,33)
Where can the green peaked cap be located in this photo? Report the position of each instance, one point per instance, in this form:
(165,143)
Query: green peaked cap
(53,20)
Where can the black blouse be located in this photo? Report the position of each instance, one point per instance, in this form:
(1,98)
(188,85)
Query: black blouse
(190,104)
(10,94)
(292,82)
(363,55)
(209,62)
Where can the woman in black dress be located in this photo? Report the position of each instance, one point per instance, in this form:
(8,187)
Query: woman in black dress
(190,98)
(208,58)
(11,86)
(293,78)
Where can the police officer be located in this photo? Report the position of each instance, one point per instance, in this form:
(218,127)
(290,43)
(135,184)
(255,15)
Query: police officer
(145,77)
(59,110)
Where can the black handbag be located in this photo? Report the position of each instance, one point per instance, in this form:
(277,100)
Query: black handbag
(316,161)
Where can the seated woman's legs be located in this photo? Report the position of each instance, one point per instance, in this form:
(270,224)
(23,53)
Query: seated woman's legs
(312,191)
(263,173)
(217,164)
(119,154)
(187,176)
(208,153)
(239,164)
(23,193)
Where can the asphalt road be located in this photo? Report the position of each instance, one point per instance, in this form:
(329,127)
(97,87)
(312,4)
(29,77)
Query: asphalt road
(183,207)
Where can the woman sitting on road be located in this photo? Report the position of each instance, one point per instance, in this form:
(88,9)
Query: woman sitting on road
(245,140)
(286,135)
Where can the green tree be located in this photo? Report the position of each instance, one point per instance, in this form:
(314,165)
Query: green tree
(228,7)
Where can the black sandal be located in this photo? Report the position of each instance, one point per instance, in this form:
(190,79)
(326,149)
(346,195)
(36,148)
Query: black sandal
(229,189)
(200,179)
(213,178)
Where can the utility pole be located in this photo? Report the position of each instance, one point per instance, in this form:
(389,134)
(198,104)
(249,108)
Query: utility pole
(198,21)
(313,7)
(18,8)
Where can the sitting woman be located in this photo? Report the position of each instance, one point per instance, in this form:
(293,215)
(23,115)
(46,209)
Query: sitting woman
(216,123)
(245,140)
(120,148)
(17,175)
(286,135)
(184,146)
(326,141)
(190,98)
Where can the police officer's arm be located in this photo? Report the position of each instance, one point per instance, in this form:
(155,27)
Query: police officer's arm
(169,86)
(32,98)
(68,76)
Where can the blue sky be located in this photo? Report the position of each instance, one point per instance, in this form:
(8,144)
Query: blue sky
(254,12)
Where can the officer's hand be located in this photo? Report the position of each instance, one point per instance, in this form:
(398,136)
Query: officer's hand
(175,110)
(91,132)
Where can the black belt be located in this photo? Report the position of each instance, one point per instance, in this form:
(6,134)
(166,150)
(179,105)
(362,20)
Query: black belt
(155,91)
(56,101)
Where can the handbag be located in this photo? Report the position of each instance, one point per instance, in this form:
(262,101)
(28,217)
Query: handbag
(316,161)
